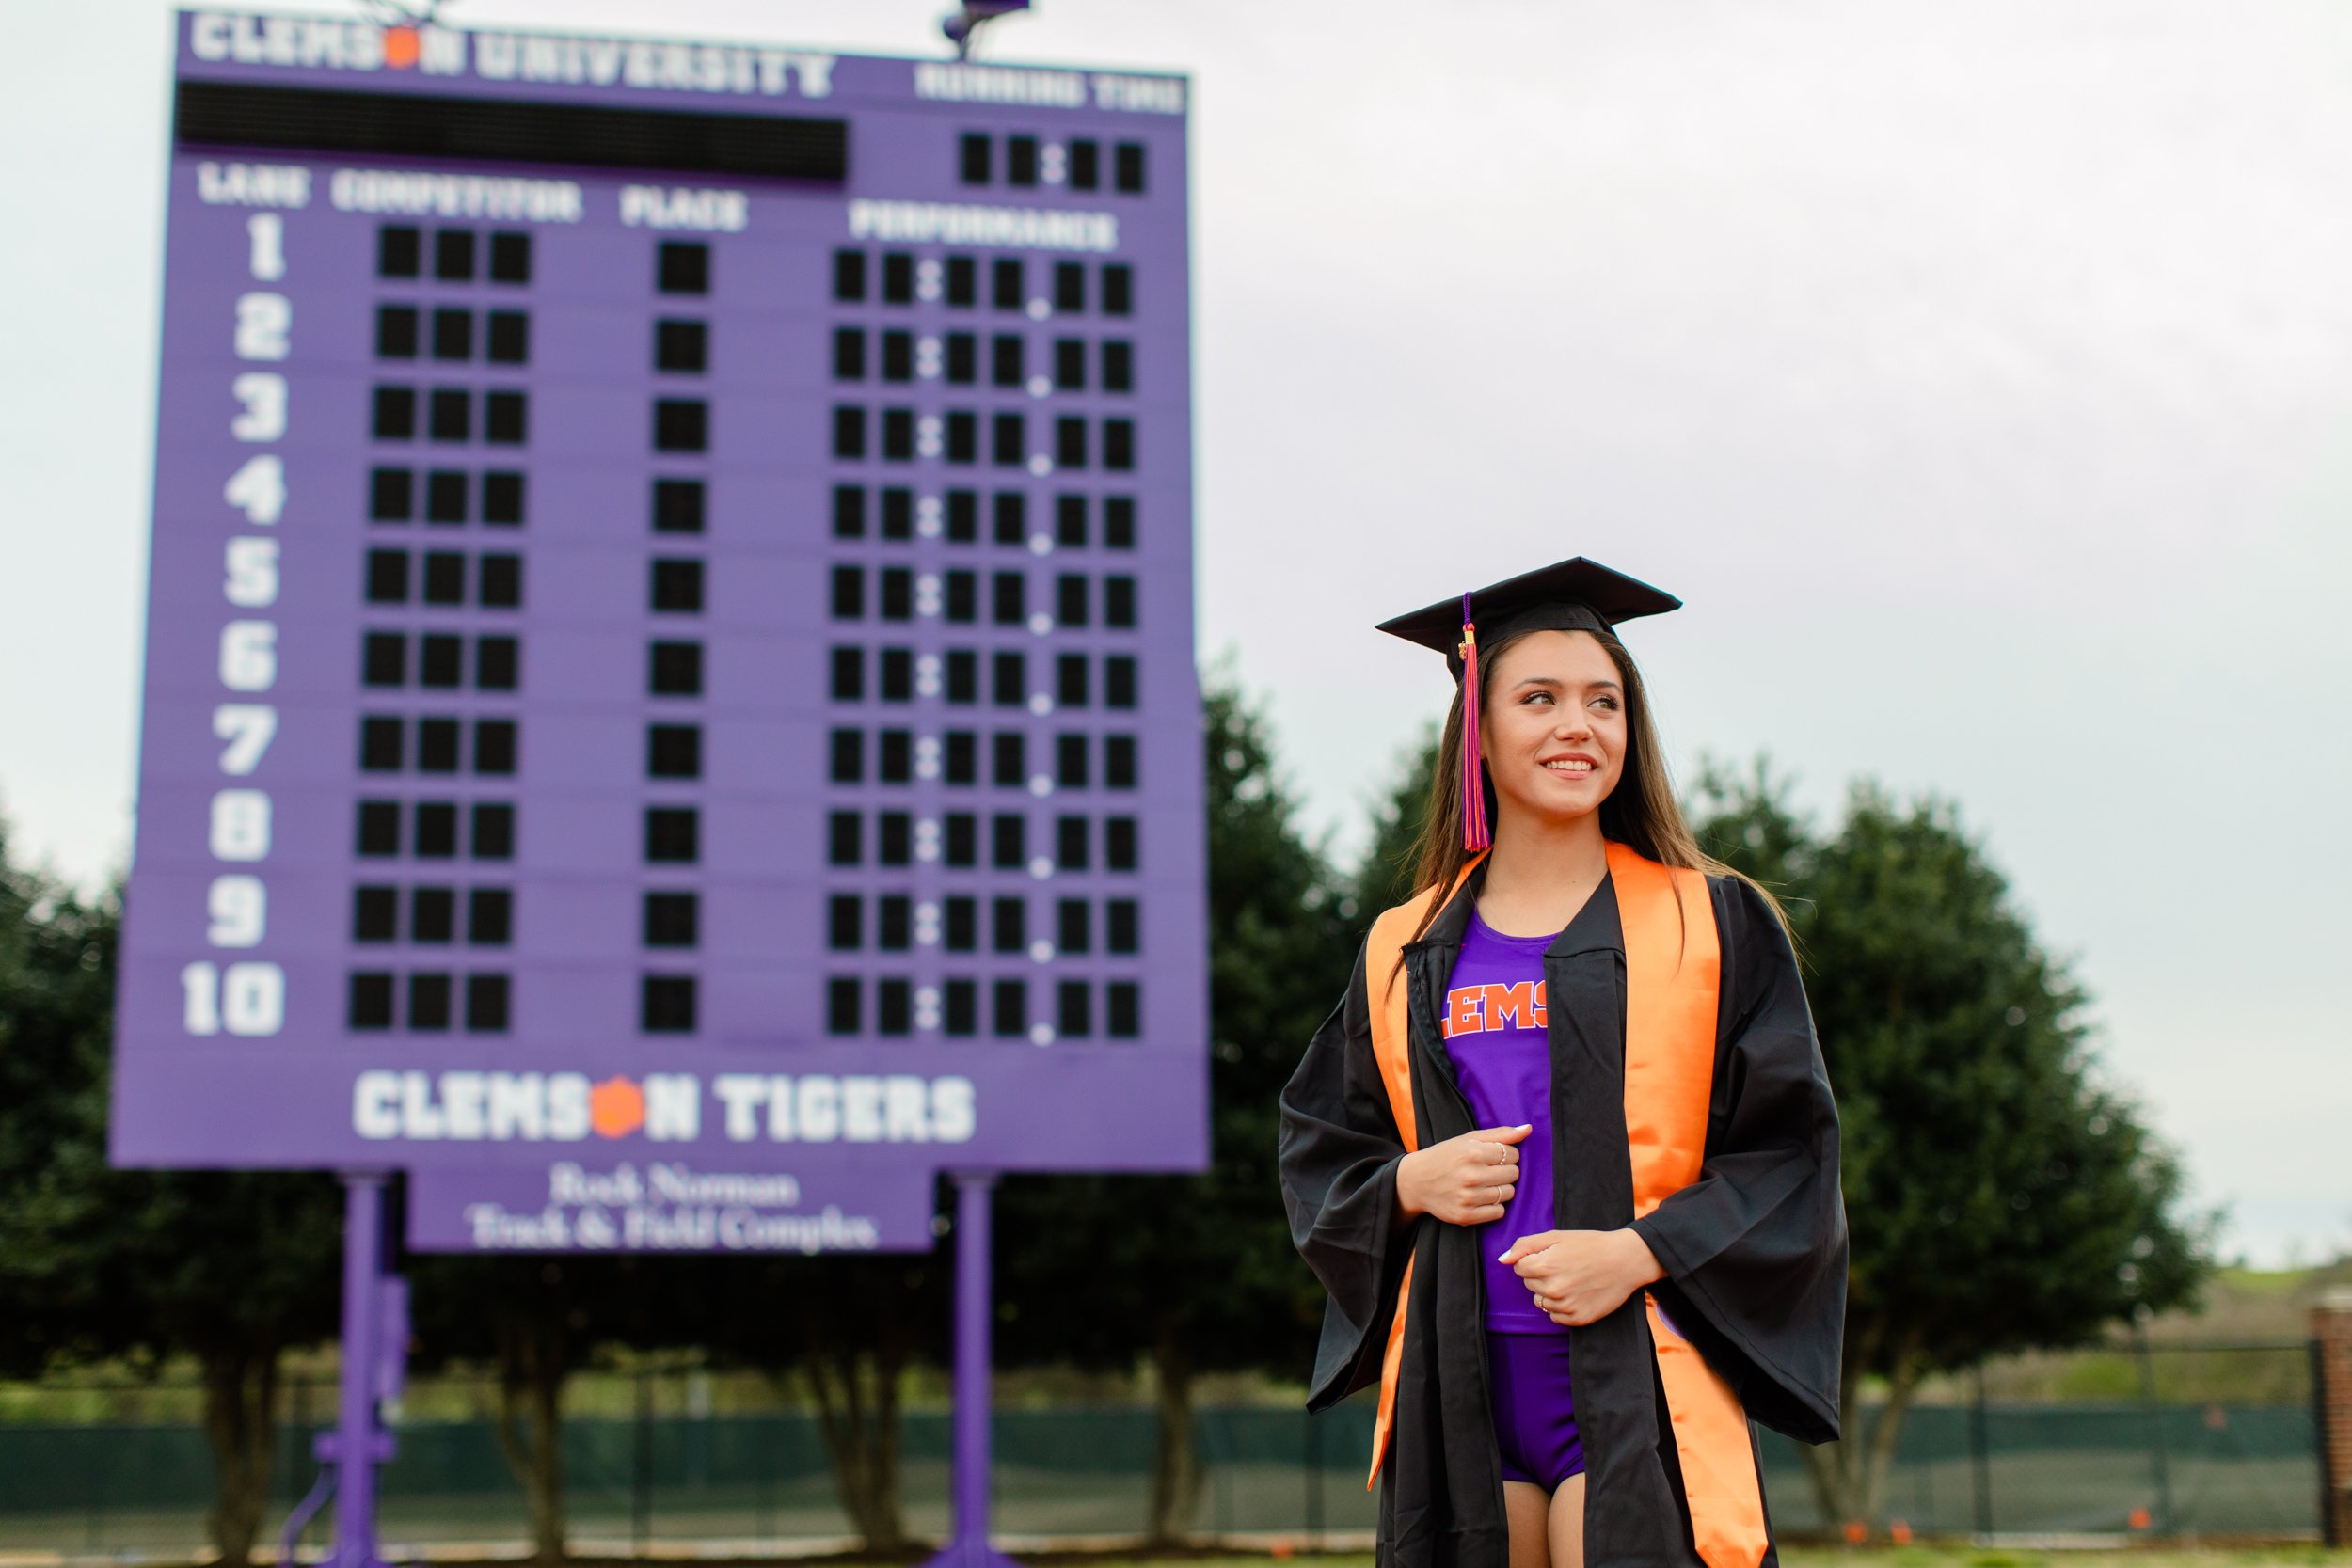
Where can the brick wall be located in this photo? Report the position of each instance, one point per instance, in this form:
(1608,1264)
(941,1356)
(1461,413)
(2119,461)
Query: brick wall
(2331,1335)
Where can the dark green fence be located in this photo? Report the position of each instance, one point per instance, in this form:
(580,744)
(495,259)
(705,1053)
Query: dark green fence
(753,1479)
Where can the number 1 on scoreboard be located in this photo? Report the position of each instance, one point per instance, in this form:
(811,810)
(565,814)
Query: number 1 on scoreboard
(266,237)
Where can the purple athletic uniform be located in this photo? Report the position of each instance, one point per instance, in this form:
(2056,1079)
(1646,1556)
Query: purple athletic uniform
(1494,1028)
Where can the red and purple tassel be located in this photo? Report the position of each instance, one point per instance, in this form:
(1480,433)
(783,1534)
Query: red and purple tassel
(1475,834)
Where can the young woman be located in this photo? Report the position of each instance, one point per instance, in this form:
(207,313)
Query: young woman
(1566,1156)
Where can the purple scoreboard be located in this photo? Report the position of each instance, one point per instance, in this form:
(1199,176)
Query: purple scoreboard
(669,705)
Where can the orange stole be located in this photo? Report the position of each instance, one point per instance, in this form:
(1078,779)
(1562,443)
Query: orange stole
(1673,977)
(1389,988)
(1673,984)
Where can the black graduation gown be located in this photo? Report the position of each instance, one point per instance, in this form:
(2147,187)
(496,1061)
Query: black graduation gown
(1754,1251)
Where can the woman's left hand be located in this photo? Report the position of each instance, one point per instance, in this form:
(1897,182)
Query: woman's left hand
(1580,1277)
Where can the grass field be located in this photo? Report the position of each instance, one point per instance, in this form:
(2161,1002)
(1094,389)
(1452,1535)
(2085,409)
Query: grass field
(2151,1557)
(2156,1556)
(2164,1556)
(1905,1557)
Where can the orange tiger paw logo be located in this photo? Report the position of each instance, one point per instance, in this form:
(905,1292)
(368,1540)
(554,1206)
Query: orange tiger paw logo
(616,1108)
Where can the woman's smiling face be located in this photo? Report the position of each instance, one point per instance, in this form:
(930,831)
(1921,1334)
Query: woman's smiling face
(1552,728)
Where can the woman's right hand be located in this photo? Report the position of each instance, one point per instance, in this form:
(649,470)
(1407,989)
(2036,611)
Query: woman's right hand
(1463,1181)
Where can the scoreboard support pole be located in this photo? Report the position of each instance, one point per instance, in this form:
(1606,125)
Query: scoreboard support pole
(359,1443)
(969,1547)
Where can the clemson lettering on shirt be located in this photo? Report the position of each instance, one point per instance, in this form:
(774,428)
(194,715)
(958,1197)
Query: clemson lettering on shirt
(1475,1010)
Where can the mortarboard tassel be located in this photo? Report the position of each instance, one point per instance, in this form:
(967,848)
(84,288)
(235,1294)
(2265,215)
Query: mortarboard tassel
(1475,834)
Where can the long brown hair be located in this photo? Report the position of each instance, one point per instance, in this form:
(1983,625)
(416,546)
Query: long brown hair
(1640,812)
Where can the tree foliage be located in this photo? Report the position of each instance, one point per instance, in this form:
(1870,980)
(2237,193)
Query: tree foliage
(228,1268)
(2002,1192)
(843,1333)
(1384,875)
(57,979)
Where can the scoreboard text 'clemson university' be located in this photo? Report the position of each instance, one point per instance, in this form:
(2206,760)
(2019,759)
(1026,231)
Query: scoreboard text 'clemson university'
(669,675)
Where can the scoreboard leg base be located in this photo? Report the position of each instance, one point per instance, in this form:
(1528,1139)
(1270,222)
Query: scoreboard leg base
(359,1444)
(968,1547)
(974,1552)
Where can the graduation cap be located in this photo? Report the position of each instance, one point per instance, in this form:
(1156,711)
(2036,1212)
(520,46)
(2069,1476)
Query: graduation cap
(1576,594)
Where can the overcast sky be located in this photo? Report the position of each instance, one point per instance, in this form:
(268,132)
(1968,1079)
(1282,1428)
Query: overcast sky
(1980,376)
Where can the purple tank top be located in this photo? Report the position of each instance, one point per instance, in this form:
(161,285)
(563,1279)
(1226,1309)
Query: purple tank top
(1494,1031)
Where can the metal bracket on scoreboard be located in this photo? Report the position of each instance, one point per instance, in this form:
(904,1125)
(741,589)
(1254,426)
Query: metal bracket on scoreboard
(964,27)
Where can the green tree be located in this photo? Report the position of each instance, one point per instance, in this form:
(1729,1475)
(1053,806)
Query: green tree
(841,1331)
(56,984)
(537,1322)
(2002,1194)
(1384,875)
(228,1268)
(842,1334)
(1196,1274)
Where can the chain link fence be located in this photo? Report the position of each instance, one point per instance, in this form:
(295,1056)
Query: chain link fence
(2182,1441)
